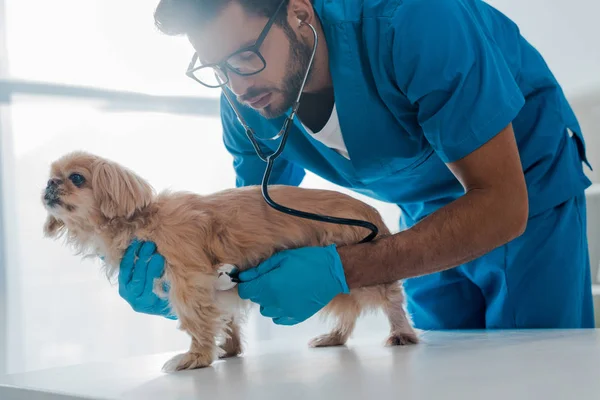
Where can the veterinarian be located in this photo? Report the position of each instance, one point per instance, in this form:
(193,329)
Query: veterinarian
(438,106)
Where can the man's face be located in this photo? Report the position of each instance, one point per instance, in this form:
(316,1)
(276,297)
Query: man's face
(273,90)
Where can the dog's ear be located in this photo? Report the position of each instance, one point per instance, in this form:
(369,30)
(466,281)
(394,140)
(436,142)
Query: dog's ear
(53,227)
(119,192)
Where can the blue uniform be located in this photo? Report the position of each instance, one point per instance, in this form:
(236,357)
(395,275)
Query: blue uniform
(420,83)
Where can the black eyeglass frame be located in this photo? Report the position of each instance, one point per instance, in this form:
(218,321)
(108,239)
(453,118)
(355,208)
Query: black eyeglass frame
(224,66)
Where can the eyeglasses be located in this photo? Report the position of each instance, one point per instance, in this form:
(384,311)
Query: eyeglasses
(245,62)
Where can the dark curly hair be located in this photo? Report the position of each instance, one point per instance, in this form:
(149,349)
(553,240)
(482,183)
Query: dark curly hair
(181,17)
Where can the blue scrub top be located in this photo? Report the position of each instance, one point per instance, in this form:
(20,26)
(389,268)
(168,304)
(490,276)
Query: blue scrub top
(420,83)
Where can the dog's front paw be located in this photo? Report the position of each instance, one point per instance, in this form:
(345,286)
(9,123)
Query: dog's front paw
(230,349)
(402,339)
(188,361)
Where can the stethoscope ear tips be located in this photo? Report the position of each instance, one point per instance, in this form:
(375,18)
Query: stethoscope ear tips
(302,21)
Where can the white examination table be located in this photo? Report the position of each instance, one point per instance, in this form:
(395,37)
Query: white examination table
(493,365)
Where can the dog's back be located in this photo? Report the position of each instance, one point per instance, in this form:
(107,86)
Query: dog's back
(237,226)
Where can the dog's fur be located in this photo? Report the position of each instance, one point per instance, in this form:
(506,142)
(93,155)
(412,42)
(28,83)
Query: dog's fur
(197,234)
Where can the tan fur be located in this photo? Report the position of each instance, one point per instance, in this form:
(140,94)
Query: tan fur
(197,234)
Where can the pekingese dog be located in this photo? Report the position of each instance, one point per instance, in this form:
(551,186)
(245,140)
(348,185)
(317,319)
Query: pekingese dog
(99,207)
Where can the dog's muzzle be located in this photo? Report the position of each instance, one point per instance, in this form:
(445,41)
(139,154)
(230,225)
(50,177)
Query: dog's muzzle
(52,194)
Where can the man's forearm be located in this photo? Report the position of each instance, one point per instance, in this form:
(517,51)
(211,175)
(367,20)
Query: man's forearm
(464,230)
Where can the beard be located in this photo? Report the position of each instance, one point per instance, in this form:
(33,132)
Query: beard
(297,64)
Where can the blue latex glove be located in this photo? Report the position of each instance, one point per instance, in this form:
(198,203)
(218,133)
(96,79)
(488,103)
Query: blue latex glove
(140,265)
(293,285)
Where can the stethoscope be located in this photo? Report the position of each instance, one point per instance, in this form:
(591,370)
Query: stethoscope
(270,158)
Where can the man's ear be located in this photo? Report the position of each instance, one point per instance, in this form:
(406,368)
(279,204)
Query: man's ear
(53,227)
(118,191)
(302,11)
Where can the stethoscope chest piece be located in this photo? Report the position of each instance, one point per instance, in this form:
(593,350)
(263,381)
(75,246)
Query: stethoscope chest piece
(224,281)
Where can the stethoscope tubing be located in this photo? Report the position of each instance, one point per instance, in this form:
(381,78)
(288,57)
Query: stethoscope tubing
(269,159)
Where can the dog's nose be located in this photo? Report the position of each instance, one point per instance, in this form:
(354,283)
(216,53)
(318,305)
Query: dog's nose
(54,182)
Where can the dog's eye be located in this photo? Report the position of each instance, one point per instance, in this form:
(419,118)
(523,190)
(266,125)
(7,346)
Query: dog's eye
(77,179)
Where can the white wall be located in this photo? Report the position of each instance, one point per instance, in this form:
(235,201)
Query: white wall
(566,32)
